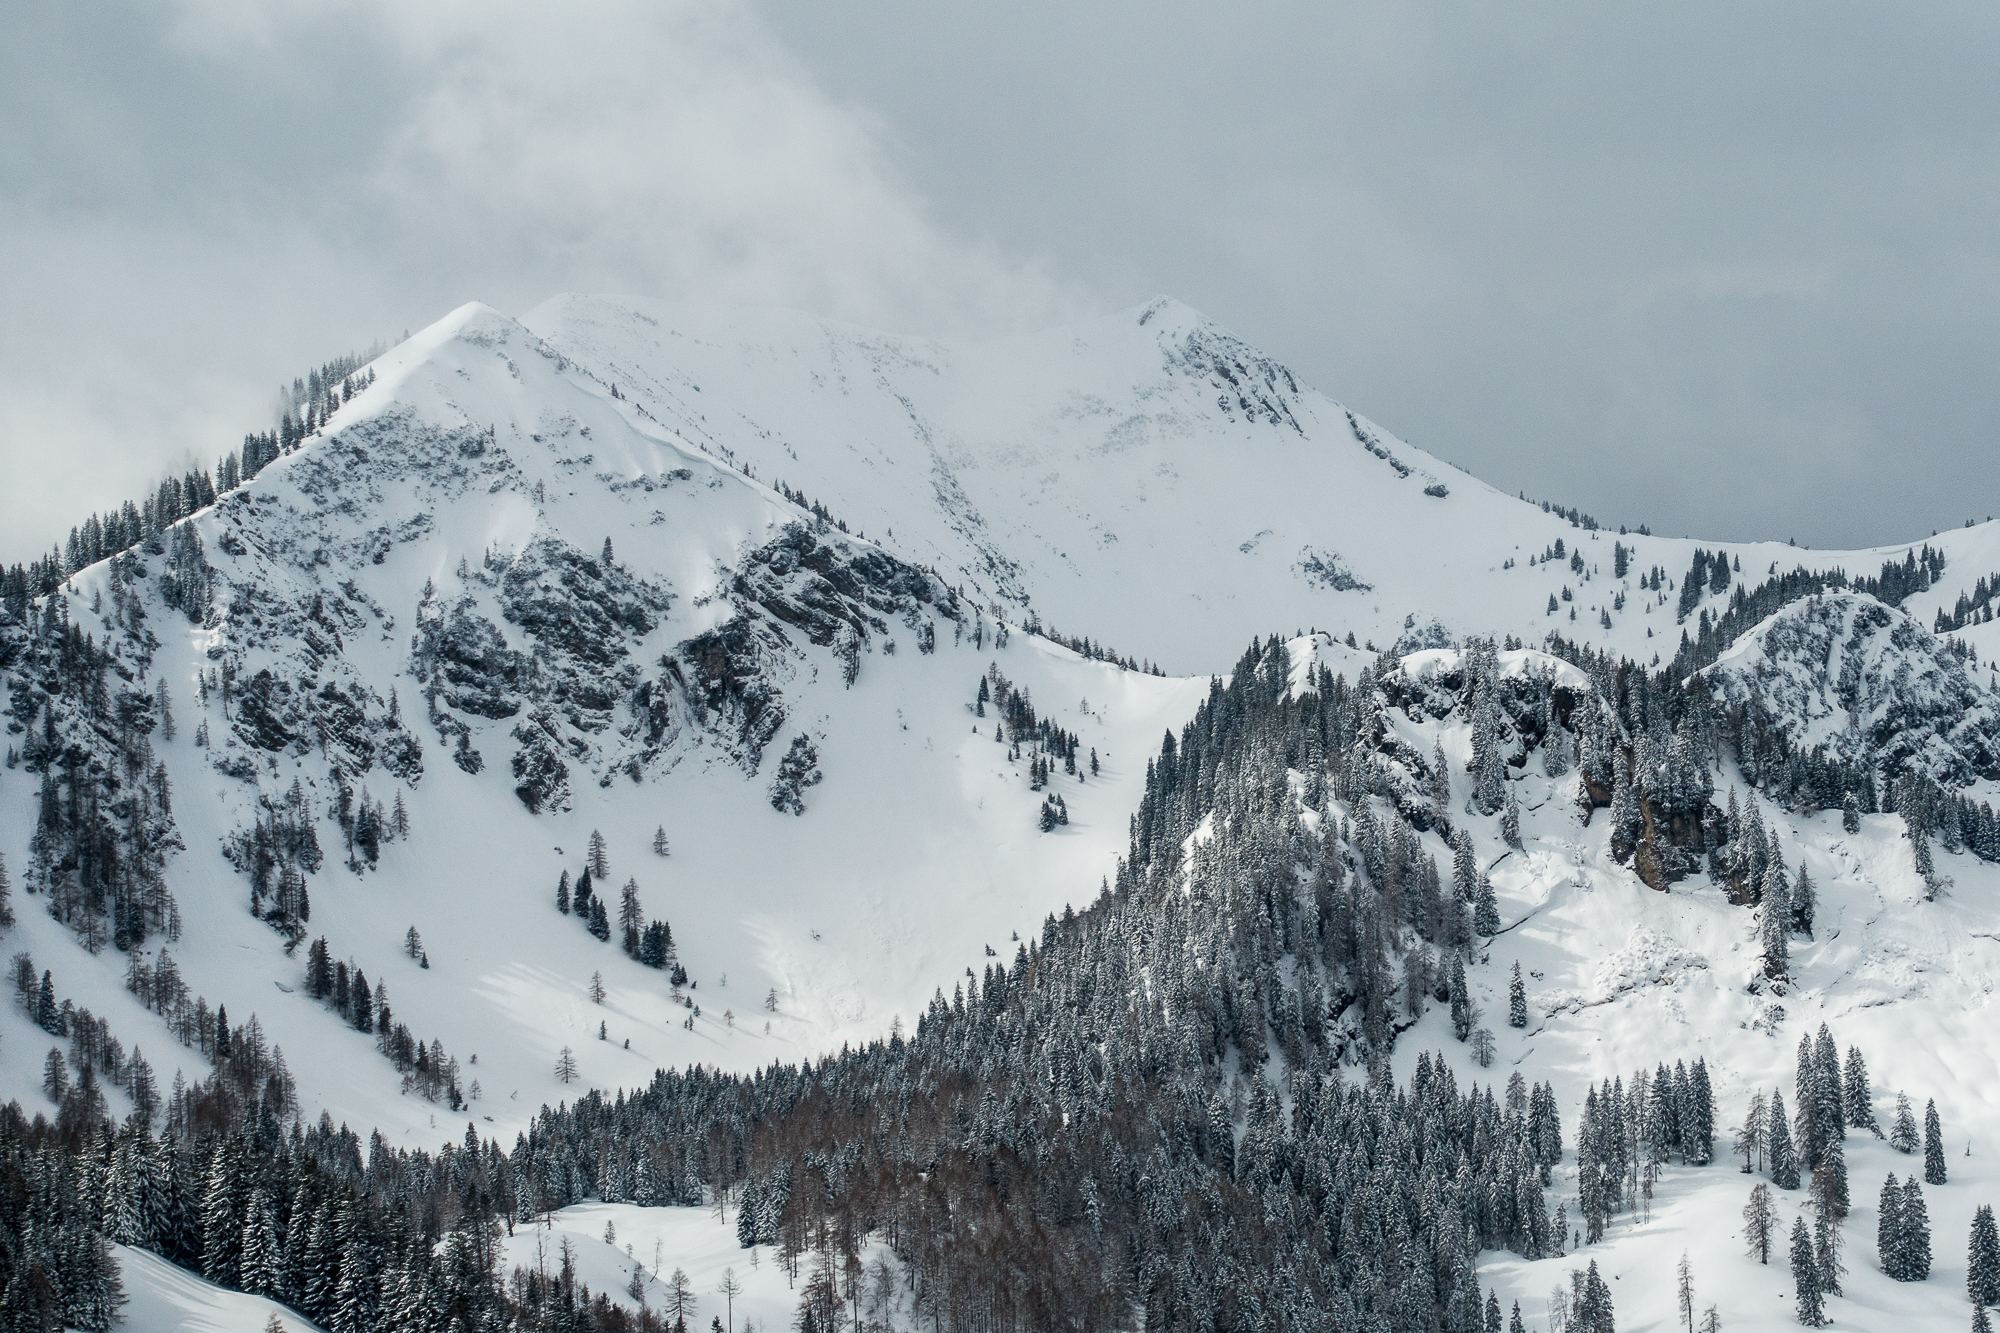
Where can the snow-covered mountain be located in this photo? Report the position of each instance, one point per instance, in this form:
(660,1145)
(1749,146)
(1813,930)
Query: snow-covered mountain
(1868,685)
(763,605)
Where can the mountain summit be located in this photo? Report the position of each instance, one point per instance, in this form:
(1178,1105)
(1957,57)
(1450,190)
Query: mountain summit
(1085,807)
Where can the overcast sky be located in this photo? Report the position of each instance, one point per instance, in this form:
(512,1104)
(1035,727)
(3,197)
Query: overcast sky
(1729,269)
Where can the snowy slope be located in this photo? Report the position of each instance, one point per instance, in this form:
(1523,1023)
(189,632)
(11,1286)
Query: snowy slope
(1621,977)
(918,852)
(163,1298)
(1147,481)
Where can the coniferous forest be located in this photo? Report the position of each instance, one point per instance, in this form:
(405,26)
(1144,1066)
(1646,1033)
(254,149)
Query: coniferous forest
(1055,1145)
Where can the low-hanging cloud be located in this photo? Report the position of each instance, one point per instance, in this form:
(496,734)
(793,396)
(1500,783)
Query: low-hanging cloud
(213,196)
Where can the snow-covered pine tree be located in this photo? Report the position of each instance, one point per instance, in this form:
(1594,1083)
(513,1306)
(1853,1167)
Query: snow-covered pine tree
(1464,867)
(1774,924)
(562,894)
(1826,1249)
(1489,758)
(798,770)
(1440,785)
(1591,1308)
(660,846)
(1808,1299)
(1904,1136)
(1982,1259)
(1933,1145)
(1914,1234)
(1510,821)
(1485,909)
(1698,1116)
(1804,901)
(1850,813)
(596,860)
(1889,1228)
(1462,1011)
(1784,1158)
(1517,1000)
(1859,1098)
(656,945)
(1558,750)
(631,918)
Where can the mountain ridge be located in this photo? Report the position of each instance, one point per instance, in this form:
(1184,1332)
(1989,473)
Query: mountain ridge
(535,589)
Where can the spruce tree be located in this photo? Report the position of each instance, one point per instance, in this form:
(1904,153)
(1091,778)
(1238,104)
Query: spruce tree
(631,918)
(1699,1135)
(261,1253)
(596,860)
(1806,1129)
(1889,1228)
(1809,1304)
(1784,1160)
(1916,1233)
(1464,867)
(1829,1113)
(1485,911)
(1774,927)
(1804,902)
(1440,785)
(1850,814)
(1982,1259)
(1859,1097)
(1517,1000)
(1826,1251)
(1903,1136)
(221,1225)
(1933,1146)
(1462,1013)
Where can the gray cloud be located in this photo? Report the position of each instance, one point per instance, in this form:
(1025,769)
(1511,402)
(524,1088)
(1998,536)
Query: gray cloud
(1729,269)
(217,195)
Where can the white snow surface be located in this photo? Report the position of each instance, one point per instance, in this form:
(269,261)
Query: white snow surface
(163,1298)
(1145,480)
